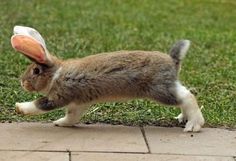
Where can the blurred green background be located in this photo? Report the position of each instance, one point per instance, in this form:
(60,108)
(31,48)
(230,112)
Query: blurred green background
(77,28)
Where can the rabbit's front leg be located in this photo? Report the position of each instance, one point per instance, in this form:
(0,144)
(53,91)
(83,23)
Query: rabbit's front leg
(39,106)
(73,115)
(28,108)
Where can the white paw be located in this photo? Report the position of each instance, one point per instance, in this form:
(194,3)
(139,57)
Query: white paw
(181,118)
(195,123)
(27,108)
(64,122)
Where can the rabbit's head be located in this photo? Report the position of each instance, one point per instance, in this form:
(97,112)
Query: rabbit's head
(39,74)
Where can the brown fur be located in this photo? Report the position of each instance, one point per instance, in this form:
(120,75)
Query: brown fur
(102,77)
(107,77)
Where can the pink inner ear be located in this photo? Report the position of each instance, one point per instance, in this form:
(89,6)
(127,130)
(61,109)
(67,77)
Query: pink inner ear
(29,47)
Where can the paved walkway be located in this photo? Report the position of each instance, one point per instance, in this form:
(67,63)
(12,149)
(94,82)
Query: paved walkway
(45,142)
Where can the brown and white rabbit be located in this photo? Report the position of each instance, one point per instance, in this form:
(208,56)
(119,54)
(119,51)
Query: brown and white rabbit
(105,77)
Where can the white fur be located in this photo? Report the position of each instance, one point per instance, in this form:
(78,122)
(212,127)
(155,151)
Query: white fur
(189,108)
(73,115)
(28,108)
(55,77)
(181,91)
(57,74)
(184,49)
(181,118)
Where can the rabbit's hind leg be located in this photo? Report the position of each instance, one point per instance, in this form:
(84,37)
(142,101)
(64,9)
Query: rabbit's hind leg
(190,109)
(176,94)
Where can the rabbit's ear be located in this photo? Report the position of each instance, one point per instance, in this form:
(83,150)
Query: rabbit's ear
(31,48)
(31,32)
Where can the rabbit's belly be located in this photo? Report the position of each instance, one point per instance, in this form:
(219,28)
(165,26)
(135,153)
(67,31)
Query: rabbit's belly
(112,99)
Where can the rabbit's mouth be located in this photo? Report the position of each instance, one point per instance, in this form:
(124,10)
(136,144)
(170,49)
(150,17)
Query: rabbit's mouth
(27,86)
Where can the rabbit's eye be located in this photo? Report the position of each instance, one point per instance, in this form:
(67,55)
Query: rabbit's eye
(36,71)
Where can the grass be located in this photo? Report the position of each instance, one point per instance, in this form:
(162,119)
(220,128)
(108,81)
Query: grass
(79,28)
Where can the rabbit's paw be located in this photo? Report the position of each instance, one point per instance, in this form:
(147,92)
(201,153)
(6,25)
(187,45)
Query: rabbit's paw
(19,109)
(27,108)
(63,122)
(195,123)
(181,118)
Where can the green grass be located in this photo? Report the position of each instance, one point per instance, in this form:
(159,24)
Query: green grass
(79,28)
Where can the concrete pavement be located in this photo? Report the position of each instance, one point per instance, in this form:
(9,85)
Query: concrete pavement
(100,142)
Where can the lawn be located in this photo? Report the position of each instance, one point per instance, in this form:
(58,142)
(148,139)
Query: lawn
(79,28)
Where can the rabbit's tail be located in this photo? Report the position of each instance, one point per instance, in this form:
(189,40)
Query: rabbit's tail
(178,51)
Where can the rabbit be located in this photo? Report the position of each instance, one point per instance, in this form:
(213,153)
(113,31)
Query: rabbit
(105,77)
